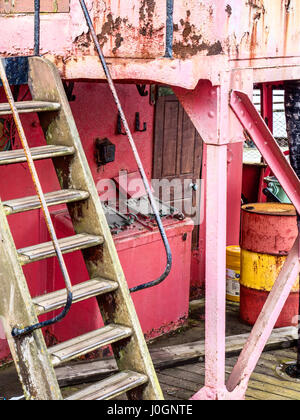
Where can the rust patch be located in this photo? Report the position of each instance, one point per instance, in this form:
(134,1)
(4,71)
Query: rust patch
(286,26)
(83,42)
(256,13)
(112,28)
(228,10)
(147,9)
(118,42)
(146,17)
(256,4)
(192,41)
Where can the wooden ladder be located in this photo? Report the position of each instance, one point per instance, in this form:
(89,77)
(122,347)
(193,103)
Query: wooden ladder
(18,310)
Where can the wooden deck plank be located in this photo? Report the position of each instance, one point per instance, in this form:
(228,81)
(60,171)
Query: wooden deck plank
(177,382)
(264,384)
(168,356)
(263,396)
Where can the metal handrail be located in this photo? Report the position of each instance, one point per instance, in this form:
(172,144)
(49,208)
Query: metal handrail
(136,155)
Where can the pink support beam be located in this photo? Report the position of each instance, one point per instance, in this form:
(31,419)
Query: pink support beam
(257,129)
(216,197)
(239,378)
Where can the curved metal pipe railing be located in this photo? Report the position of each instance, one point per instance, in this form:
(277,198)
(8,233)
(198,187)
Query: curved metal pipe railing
(136,155)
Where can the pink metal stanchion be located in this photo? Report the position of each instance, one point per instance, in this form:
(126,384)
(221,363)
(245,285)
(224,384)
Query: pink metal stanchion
(216,197)
(216,183)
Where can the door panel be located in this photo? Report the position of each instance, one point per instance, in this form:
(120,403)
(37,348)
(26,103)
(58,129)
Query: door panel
(177,158)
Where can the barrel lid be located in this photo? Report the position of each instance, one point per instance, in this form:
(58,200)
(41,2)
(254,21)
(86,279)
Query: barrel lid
(233,250)
(270,209)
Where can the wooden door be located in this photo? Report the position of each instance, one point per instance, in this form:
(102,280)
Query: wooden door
(177,157)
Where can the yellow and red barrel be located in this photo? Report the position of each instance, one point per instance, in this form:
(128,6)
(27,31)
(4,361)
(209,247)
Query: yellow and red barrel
(268,232)
(233,273)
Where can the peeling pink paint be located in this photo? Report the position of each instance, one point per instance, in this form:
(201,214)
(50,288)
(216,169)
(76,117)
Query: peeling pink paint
(225,33)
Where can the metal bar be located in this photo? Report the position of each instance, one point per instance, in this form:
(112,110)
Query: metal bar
(169,29)
(264,325)
(136,155)
(37,29)
(258,131)
(267,115)
(216,210)
(267,105)
(16,331)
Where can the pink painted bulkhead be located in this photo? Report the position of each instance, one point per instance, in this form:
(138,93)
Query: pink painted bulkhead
(209,36)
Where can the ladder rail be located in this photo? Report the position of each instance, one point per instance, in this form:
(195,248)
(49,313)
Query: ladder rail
(17,331)
(136,156)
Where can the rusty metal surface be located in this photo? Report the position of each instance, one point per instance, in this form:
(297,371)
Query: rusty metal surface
(228,33)
(268,228)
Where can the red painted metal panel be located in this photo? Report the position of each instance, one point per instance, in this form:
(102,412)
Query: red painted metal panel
(160,309)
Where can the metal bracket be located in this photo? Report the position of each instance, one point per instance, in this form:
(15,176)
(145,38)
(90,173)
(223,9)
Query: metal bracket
(119,126)
(69,88)
(142,90)
(138,124)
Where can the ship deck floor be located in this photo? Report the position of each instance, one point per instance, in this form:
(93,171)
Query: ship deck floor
(181,382)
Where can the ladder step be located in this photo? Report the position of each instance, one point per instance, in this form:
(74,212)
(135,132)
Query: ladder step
(88,342)
(30,106)
(82,291)
(46,250)
(53,198)
(38,153)
(111,387)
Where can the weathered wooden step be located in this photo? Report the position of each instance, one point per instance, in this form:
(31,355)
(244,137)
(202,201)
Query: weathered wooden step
(111,387)
(53,198)
(38,153)
(46,250)
(88,342)
(82,291)
(26,107)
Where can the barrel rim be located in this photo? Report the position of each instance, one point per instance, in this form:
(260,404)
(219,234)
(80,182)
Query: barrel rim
(261,209)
